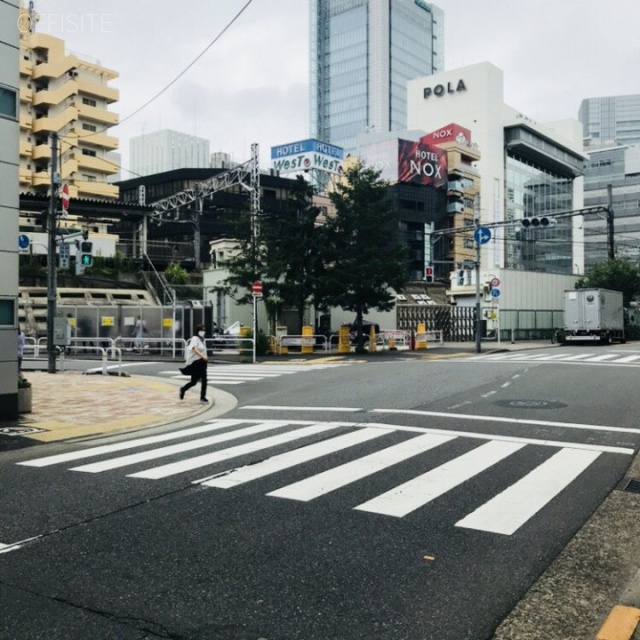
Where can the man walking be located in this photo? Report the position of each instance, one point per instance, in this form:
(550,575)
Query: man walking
(196,364)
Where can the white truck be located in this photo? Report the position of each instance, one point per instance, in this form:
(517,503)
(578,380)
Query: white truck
(593,315)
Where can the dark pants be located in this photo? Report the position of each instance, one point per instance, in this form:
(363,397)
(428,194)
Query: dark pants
(198,373)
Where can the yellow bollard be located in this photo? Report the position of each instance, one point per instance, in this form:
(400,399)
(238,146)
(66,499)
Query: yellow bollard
(307,339)
(421,336)
(372,340)
(344,346)
(392,342)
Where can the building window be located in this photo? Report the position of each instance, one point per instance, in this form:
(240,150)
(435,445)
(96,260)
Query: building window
(89,101)
(7,312)
(8,102)
(88,152)
(89,127)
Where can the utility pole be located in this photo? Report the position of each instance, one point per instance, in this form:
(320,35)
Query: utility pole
(52,224)
(476,217)
(610,246)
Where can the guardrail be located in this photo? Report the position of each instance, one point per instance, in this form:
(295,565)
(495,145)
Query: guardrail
(103,351)
(290,340)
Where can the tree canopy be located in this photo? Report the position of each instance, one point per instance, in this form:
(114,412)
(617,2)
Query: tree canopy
(617,275)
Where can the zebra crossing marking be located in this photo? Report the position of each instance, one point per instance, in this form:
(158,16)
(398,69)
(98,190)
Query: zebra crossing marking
(578,358)
(504,513)
(510,509)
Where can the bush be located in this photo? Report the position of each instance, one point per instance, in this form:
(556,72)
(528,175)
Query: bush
(23,383)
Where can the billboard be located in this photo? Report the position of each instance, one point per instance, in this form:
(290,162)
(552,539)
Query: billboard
(449,133)
(407,161)
(305,155)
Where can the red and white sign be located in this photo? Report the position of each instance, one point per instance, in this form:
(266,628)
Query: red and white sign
(256,288)
(495,282)
(449,133)
(64,197)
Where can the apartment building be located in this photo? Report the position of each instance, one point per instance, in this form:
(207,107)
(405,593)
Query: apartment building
(63,93)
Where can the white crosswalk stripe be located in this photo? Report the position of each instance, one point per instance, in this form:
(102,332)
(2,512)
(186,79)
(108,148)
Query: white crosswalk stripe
(239,374)
(614,358)
(502,513)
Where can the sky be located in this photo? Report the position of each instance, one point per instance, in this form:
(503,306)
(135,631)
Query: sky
(251,84)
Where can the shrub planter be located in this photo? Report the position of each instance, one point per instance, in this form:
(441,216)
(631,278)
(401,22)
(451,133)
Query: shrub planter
(25,400)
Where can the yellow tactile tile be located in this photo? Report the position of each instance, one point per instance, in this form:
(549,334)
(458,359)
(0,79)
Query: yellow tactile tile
(620,624)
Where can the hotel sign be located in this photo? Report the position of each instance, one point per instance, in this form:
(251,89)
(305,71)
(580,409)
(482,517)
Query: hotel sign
(305,155)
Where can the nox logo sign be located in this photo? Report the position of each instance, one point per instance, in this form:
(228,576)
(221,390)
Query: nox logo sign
(440,89)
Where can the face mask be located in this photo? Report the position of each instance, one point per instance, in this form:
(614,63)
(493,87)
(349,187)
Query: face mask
(201,334)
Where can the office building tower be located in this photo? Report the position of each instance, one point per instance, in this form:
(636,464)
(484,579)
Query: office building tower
(612,119)
(362,54)
(67,94)
(166,150)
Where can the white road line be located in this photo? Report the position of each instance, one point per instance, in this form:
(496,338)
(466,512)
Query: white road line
(345,474)
(509,510)
(418,491)
(282,407)
(579,356)
(555,356)
(233,452)
(129,444)
(543,423)
(163,452)
(292,458)
(628,359)
(604,356)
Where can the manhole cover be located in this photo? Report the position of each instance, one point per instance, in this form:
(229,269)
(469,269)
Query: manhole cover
(530,404)
(18,431)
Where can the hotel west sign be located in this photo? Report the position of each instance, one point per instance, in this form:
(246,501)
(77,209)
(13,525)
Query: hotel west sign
(441,89)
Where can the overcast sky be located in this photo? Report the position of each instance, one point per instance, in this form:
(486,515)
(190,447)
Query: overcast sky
(252,84)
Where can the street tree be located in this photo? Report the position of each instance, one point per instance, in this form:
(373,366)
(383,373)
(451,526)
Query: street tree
(617,275)
(366,262)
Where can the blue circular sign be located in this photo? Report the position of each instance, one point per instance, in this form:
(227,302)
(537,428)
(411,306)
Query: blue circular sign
(23,241)
(495,293)
(482,235)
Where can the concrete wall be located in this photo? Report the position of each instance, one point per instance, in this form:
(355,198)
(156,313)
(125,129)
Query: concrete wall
(9,207)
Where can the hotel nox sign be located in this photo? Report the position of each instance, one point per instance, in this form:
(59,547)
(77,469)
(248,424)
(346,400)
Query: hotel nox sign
(440,90)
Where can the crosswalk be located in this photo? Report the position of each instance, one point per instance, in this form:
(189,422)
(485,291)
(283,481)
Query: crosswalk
(213,448)
(610,358)
(224,375)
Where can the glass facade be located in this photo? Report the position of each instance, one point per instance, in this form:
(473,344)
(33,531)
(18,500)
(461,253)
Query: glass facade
(532,191)
(611,119)
(362,53)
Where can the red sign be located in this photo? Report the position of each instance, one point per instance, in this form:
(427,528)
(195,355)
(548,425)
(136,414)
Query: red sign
(449,133)
(64,196)
(256,288)
(420,163)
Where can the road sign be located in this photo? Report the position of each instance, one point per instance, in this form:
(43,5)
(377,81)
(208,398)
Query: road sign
(23,241)
(495,293)
(495,282)
(482,235)
(256,288)
(64,198)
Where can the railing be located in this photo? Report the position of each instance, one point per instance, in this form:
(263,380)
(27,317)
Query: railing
(229,345)
(104,352)
(313,341)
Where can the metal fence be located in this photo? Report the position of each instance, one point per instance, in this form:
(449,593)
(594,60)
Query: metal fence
(456,324)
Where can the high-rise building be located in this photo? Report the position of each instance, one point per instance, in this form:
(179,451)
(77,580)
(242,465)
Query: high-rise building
(362,54)
(166,150)
(612,178)
(611,119)
(9,205)
(64,93)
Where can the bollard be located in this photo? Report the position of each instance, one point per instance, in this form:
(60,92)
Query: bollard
(307,339)
(372,340)
(104,363)
(344,345)
(392,342)
(421,336)
(513,336)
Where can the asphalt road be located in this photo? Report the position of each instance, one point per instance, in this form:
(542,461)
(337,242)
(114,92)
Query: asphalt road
(391,500)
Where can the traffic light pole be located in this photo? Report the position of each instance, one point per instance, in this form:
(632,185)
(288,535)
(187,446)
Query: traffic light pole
(51,255)
(478,309)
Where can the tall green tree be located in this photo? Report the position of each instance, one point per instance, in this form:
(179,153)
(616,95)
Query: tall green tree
(366,261)
(617,275)
(287,257)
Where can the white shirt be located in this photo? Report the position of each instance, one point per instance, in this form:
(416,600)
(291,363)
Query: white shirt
(190,355)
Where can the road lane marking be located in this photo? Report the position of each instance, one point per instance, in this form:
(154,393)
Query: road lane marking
(628,359)
(422,489)
(233,452)
(510,509)
(240,475)
(282,407)
(542,423)
(604,356)
(129,444)
(344,474)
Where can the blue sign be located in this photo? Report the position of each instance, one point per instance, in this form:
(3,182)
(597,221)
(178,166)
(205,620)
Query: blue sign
(23,241)
(482,235)
(495,293)
(307,146)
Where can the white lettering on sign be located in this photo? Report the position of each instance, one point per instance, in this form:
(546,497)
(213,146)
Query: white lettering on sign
(440,89)
(443,133)
(426,168)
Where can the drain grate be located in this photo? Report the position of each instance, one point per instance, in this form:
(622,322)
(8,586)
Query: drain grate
(631,484)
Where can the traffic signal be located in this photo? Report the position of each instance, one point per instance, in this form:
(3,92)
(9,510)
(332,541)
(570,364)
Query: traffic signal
(86,255)
(538,222)
(428,274)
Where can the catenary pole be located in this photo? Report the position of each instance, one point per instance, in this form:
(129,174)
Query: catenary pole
(51,255)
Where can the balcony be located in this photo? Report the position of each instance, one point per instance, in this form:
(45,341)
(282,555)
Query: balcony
(58,96)
(26,94)
(97,114)
(97,139)
(94,163)
(26,67)
(455,207)
(56,69)
(40,151)
(56,123)
(96,190)
(455,186)
(25,121)
(25,176)
(99,90)
(25,149)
